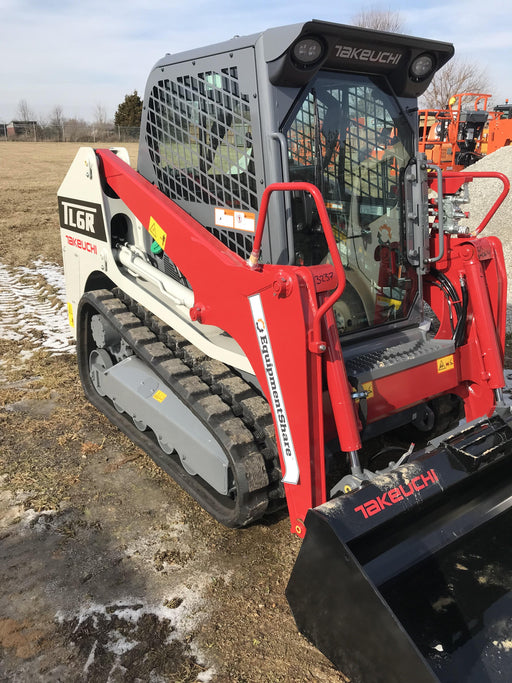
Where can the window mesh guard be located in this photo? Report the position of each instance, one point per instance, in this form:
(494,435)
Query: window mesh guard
(199,138)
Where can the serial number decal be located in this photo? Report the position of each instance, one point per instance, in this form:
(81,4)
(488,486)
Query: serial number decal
(157,233)
(397,494)
(324,278)
(82,217)
(446,363)
(291,474)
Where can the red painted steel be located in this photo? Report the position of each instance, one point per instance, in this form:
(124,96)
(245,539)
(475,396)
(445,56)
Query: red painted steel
(298,326)
(292,313)
(453,181)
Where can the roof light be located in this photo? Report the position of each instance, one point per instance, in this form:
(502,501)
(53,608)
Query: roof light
(422,66)
(308,51)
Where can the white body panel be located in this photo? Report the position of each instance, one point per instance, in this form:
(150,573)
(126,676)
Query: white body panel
(86,214)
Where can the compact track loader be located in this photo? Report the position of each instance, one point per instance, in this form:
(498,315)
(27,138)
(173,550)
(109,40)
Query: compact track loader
(282,306)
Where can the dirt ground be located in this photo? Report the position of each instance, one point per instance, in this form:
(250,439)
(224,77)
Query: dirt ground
(108,571)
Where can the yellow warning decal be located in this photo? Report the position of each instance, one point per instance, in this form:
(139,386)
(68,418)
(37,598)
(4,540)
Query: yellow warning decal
(159,396)
(445,363)
(368,387)
(71,317)
(157,233)
(387,301)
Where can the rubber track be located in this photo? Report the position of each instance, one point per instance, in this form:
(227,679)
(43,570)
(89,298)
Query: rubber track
(237,416)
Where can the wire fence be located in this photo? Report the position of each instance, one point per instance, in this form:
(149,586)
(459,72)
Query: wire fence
(71,131)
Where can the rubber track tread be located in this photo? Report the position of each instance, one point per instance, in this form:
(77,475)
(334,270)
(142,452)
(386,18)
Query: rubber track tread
(243,400)
(216,395)
(238,394)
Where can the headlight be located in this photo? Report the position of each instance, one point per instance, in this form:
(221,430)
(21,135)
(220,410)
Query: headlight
(422,67)
(307,51)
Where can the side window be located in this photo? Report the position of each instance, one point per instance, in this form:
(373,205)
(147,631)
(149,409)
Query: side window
(199,133)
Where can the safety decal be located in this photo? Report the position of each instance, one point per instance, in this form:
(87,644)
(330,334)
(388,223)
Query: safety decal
(159,396)
(71,317)
(157,233)
(235,220)
(291,474)
(445,363)
(368,387)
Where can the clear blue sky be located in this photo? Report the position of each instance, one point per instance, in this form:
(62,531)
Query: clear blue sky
(82,54)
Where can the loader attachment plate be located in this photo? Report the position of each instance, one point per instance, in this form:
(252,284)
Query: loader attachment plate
(394,587)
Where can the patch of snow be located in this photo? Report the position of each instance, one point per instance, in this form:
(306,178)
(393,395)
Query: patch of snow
(90,658)
(181,620)
(35,311)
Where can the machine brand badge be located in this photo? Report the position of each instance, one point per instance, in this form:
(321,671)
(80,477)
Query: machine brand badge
(361,54)
(82,217)
(397,494)
(291,474)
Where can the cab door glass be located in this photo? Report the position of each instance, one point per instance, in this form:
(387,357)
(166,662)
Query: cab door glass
(348,137)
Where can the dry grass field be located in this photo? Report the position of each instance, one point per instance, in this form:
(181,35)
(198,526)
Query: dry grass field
(108,571)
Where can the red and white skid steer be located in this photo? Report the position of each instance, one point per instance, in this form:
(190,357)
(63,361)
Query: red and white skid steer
(282,306)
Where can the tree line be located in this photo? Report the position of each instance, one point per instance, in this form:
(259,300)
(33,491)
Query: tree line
(57,127)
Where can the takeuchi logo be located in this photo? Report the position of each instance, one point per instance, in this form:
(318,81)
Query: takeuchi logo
(397,494)
(361,54)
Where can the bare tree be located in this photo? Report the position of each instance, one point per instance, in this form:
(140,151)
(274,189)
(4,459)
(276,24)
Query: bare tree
(57,122)
(57,116)
(101,123)
(380,20)
(456,77)
(100,116)
(78,130)
(24,112)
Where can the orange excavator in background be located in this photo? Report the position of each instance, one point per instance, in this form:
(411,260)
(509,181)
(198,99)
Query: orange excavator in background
(464,132)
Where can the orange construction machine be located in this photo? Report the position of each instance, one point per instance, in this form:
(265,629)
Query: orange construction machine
(464,132)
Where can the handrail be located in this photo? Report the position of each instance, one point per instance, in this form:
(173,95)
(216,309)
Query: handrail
(470,175)
(329,236)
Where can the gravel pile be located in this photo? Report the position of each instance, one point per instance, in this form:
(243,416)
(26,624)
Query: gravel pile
(483,192)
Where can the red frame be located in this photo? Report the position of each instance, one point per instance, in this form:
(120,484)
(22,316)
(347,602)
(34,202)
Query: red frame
(302,330)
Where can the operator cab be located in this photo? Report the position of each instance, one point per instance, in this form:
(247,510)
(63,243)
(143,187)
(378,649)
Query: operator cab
(325,103)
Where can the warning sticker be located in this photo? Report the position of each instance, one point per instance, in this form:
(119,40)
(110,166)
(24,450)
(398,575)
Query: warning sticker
(368,387)
(157,233)
(445,363)
(159,396)
(235,220)
(71,317)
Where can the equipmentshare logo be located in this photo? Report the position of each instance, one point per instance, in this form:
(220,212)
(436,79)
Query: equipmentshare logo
(291,474)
